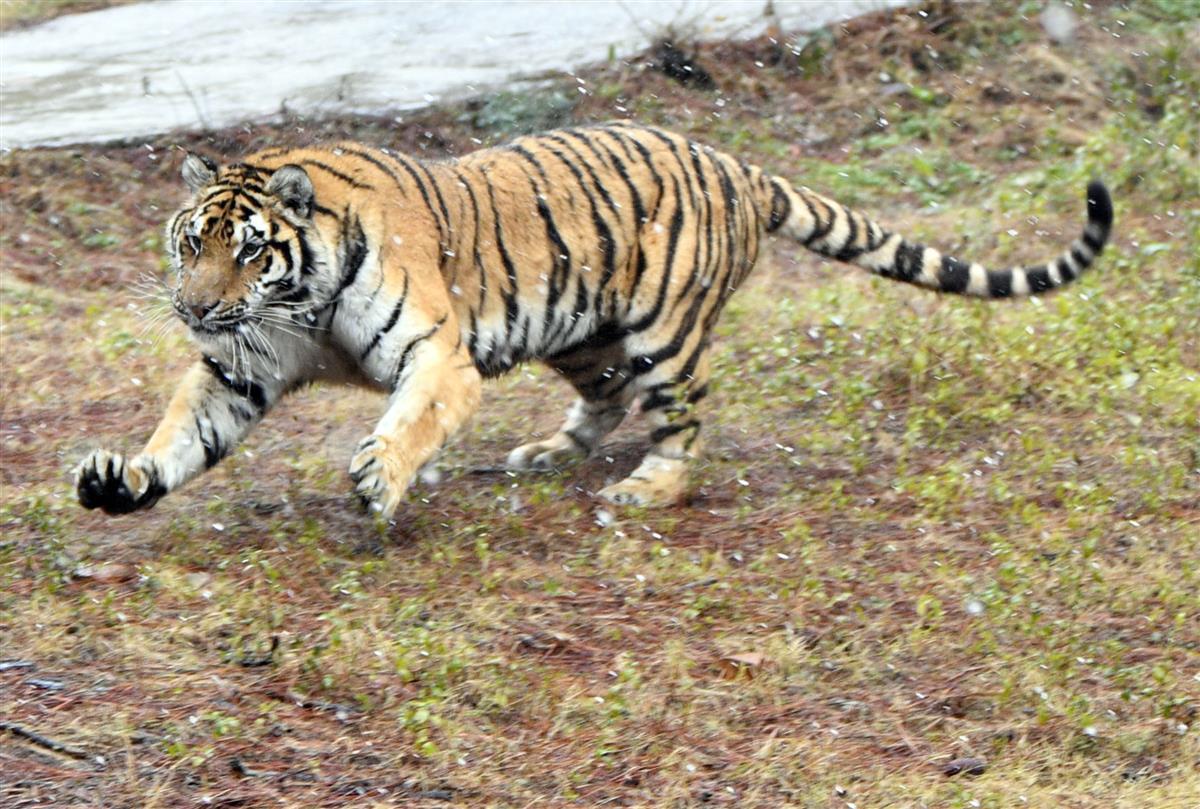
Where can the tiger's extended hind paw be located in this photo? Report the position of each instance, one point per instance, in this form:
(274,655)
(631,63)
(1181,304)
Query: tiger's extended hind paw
(544,456)
(378,474)
(657,481)
(109,482)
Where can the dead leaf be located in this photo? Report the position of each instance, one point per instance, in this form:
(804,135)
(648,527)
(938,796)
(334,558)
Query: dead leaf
(746,665)
(105,573)
(546,641)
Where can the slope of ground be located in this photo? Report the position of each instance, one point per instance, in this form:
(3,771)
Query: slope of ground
(929,529)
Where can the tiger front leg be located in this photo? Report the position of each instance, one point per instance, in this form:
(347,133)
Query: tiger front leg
(209,414)
(436,392)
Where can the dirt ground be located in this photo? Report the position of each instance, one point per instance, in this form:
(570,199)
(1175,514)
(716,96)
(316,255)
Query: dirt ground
(940,553)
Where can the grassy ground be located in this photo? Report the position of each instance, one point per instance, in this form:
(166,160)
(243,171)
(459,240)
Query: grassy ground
(937,529)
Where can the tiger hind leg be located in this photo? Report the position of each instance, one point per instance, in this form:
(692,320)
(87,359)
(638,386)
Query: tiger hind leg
(597,374)
(670,401)
(588,421)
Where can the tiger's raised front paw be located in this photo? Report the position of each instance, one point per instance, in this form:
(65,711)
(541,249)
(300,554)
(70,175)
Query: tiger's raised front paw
(379,474)
(107,481)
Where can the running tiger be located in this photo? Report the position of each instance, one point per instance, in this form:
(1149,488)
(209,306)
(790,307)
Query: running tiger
(606,252)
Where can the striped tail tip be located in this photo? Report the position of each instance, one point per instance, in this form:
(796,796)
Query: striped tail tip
(1100,215)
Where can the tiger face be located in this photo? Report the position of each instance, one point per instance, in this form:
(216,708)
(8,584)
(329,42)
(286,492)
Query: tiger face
(239,250)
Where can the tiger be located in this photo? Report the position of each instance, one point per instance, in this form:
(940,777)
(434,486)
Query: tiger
(606,252)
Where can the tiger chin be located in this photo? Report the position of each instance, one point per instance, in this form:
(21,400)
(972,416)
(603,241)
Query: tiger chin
(606,252)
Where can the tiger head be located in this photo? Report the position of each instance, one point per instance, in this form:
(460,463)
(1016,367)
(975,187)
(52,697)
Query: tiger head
(241,247)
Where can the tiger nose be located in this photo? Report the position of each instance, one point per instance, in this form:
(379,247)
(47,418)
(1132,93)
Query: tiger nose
(199,310)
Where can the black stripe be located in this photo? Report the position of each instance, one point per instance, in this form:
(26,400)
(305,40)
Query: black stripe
(391,322)
(999,283)
(561,257)
(377,163)
(354,251)
(906,265)
(706,206)
(1064,269)
(510,295)
(212,453)
(307,262)
(1092,241)
(408,350)
(346,178)
(672,243)
(781,208)
(660,434)
(603,231)
(437,192)
(820,229)
(876,236)
(644,363)
(270,154)
(849,251)
(597,183)
(655,399)
(246,388)
(1039,278)
(731,213)
(671,144)
(639,210)
(404,163)
(647,160)
(953,275)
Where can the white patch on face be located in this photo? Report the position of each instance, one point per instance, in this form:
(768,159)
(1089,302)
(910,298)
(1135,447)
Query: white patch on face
(253,228)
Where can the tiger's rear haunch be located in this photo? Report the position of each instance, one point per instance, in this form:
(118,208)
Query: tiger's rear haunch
(607,252)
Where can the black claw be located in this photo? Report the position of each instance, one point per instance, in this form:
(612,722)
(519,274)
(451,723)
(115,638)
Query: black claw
(109,493)
(358,474)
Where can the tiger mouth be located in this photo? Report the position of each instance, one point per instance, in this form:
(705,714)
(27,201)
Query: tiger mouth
(209,327)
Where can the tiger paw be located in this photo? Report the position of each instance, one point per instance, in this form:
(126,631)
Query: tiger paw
(657,481)
(379,474)
(107,481)
(542,456)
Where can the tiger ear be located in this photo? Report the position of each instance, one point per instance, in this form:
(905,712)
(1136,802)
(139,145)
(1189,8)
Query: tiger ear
(291,184)
(198,171)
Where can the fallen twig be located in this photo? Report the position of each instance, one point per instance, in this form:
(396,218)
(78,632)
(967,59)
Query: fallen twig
(42,741)
(8,665)
(46,683)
